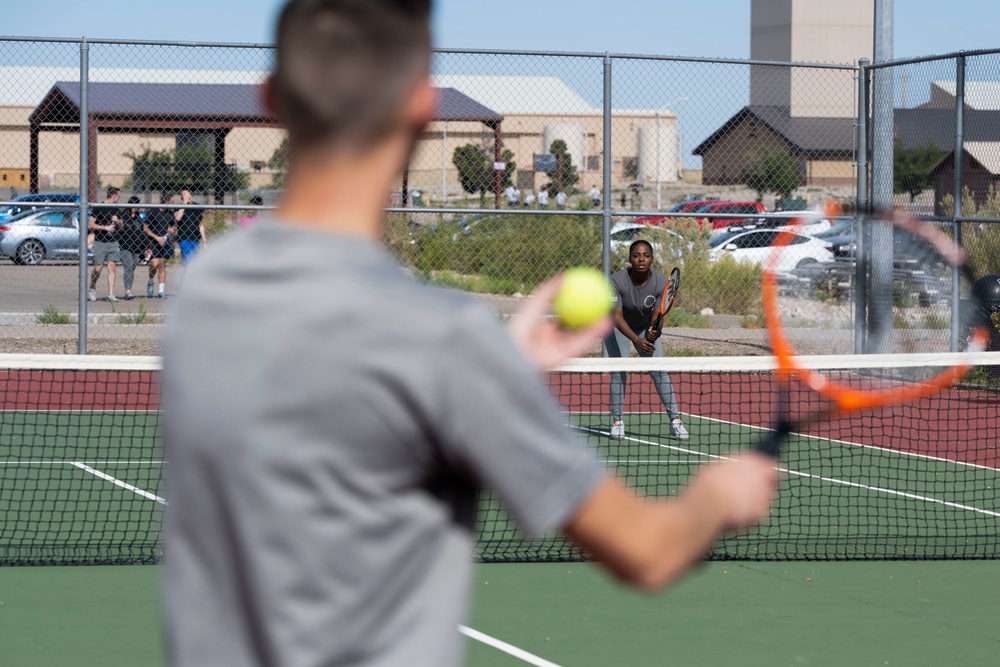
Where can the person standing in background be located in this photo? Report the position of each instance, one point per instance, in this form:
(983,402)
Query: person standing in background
(190,227)
(132,244)
(105,223)
(161,227)
(251,216)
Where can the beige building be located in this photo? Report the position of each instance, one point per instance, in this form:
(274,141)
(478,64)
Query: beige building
(536,111)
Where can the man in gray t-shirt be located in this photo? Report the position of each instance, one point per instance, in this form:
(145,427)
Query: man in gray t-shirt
(328,422)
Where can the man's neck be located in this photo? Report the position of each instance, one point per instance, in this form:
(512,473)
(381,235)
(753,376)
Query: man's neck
(343,194)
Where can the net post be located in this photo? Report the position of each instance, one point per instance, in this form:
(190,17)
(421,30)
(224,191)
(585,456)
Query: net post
(606,204)
(84,193)
(957,187)
(860,277)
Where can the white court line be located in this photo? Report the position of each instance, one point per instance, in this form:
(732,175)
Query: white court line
(118,482)
(509,649)
(126,462)
(832,480)
(877,448)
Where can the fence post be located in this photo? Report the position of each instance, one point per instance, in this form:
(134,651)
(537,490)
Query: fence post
(861,208)
(957,207)
(606,159)
(84,192)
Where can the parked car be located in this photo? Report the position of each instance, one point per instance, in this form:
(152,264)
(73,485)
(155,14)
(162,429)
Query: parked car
(33,202)
(35,235)
(712,210)
(816,229)
(754,247)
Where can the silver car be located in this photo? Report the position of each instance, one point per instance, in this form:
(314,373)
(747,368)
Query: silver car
(32,236)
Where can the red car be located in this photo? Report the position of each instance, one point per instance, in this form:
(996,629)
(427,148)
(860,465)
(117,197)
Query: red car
(749,208)
(683,207)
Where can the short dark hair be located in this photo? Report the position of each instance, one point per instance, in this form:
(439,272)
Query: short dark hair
(133,200)
(112,191)
(344,67)
(256,201)
(640,242)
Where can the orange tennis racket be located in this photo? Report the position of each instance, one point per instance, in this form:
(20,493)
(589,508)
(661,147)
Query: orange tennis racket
(921,288)
(668,297)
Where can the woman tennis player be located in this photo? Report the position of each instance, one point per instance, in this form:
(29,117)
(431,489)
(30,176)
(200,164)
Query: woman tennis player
(638,290)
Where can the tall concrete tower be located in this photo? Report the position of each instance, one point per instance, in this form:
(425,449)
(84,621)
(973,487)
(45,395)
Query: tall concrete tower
(823,31)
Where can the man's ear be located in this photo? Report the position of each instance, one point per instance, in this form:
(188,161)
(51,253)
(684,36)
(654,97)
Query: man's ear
(423,104)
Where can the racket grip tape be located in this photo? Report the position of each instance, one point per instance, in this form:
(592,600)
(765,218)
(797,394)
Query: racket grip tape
(772,442)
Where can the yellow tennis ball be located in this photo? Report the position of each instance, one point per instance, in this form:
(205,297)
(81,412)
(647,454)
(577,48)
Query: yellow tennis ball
(584,297)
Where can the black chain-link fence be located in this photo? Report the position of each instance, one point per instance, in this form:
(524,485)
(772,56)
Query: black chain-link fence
(534,163)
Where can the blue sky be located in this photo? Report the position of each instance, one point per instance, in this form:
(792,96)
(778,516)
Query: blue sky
(671,27)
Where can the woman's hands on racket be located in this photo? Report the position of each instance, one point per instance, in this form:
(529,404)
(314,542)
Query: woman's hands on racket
(541,339)
(645,344)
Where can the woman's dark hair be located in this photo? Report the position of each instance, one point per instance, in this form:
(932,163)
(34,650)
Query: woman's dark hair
(640,242)
(256,201)
(133,200)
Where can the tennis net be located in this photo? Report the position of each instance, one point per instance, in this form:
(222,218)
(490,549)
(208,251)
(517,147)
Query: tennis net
(81,478)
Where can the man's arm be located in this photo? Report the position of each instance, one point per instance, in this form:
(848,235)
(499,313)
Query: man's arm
(652,543)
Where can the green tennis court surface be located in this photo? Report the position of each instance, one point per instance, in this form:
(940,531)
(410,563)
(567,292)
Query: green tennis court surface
(917,614)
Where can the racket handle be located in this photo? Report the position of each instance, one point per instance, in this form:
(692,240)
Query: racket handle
(772,442)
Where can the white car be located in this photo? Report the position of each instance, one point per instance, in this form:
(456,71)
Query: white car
(754,247)
(812,229)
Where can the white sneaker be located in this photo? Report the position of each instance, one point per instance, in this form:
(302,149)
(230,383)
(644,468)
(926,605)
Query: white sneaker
(618,430)
(678,431)
(112,299)
(92,295)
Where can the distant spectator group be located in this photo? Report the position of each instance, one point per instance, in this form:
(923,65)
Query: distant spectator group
(530,199)
(133,238)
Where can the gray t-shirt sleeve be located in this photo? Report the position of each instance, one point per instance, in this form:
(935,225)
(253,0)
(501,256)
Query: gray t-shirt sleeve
(502,424)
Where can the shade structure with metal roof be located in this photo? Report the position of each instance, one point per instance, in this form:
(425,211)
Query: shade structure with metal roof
(213,109)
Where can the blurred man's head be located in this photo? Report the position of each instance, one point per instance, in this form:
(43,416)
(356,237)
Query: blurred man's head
(346,71)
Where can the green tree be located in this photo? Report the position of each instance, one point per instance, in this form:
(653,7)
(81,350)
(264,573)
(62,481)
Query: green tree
(475,169)
(279,162)
(771,170)
(565,175)
(172,169)
(911,168)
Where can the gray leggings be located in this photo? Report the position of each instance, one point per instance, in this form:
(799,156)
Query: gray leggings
(129,260)
(617,345)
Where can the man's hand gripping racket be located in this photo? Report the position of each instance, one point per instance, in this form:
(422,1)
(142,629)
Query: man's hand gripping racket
(917,277)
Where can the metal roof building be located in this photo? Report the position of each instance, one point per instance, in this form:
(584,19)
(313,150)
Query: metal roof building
(212,109)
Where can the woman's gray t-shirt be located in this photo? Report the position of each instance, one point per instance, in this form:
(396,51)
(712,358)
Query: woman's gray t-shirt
(638,302)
